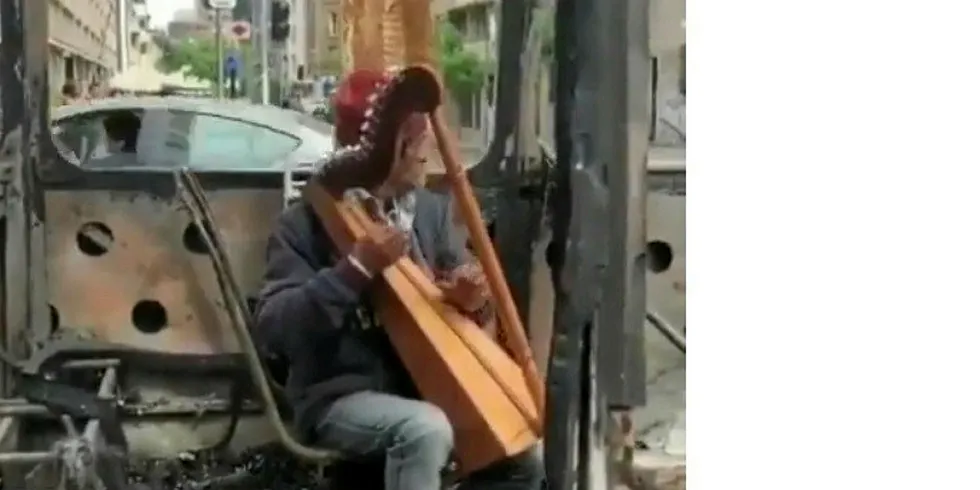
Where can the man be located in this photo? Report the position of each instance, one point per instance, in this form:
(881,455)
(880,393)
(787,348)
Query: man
(122,131)
(348,387)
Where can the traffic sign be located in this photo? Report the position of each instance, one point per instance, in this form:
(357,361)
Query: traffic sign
(222,4)
(241,30)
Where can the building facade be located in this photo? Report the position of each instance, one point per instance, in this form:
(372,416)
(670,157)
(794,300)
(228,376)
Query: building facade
(135,36)
(476,23)
(668,47)
(324,35)
(294,51)
(188,24)
(205,14)
(84,35)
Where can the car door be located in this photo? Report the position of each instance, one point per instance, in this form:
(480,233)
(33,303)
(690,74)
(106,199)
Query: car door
(221,143)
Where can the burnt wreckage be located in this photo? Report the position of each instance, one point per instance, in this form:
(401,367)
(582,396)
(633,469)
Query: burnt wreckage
(125,350)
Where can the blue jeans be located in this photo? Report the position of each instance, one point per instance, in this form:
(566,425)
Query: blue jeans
(416,439)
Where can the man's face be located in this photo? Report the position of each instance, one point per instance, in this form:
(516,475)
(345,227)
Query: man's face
(416,144)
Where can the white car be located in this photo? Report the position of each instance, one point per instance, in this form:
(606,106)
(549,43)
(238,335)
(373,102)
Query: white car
(206,134)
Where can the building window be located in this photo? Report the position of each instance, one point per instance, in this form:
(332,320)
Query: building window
(469,110)
(477,23)
(332,25)
(458,20)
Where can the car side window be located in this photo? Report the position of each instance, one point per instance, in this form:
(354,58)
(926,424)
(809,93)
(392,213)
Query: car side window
(107,139)
(222,143)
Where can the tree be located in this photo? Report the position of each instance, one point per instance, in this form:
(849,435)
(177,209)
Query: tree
(197,55)
(463,71)
(200,56)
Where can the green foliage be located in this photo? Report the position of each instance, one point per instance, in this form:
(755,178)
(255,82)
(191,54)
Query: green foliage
(464,71)
(199,56)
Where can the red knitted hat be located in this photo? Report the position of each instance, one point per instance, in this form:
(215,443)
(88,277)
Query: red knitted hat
(350,102)
(369,109)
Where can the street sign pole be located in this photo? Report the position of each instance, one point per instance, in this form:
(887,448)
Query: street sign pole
(219,43)
(263,32)
(218,6)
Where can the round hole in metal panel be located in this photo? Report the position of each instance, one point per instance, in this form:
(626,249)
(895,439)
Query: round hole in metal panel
(194,240)
(660,256)
(54,316)
(149,316)
(94,238)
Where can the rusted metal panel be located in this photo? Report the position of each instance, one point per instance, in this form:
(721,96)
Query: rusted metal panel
(124,266)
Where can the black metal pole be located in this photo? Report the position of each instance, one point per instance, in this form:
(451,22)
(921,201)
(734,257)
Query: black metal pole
(27,154)
(564,406)
(621,147)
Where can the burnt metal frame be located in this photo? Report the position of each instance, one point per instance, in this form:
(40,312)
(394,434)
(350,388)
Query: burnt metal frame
(30,164)
(502,167)
(621,138)
(597,364)
(87,459)
(24,85)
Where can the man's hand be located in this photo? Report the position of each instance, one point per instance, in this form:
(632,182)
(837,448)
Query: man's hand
(381,247)
(466,287)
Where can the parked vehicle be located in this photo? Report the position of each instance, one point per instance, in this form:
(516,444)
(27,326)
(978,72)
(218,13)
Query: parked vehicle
(204,134)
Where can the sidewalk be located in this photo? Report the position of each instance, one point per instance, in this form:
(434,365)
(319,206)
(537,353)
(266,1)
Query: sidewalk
(661,456)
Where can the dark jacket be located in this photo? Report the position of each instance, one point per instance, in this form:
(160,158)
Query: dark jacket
(314,311)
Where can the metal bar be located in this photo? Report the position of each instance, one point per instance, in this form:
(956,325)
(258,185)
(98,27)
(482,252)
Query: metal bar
(122,35)
(192,195)
(263,30)
(563,407)
(91,364)
(671,333)
(106,389)
(28,457)
(19,407)
(8,433)
(19,410)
